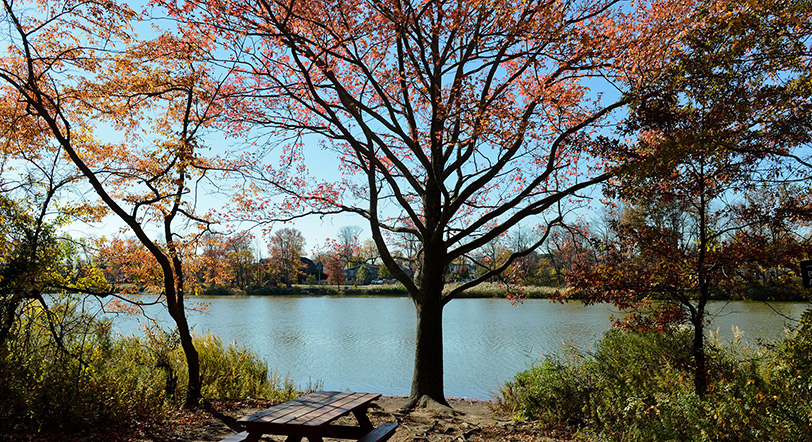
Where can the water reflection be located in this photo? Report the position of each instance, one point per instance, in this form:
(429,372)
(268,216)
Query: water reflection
(367,344)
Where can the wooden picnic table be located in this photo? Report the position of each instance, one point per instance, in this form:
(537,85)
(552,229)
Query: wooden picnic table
(311,416)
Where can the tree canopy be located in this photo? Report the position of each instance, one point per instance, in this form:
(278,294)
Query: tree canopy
(452,122)
(71,67)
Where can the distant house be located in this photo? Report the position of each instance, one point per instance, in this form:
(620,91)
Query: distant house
(460,271)
(459,268)
(312,268)
(349,273)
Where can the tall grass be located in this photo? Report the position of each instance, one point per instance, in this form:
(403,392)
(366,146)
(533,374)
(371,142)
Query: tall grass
(89,376)
(232,371)
(495,290)
(82,378)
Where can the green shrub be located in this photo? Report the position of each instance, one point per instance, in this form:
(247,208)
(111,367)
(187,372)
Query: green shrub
(219,290)
(638,387)
(552,392)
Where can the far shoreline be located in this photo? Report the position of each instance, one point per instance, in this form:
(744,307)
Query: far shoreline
(482,291)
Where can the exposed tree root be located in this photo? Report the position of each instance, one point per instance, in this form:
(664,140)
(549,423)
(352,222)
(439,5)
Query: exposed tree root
(428,403)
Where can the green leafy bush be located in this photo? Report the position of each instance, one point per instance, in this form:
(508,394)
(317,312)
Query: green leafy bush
(552,392)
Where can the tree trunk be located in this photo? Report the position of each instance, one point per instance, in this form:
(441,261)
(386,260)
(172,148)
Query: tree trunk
(427,381)
(6,323)
(174,291)
(193,390)
(9,314)
(698,353)
(698,316)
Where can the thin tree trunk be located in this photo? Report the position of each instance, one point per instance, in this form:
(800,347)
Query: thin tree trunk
(194,392)
(698,353)
(698,316)
(7,321)
(175,298)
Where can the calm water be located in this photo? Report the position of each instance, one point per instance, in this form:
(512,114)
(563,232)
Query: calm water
(367,344)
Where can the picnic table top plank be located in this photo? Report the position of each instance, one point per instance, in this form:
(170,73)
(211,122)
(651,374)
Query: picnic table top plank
(317,406)
(289,410)
(274,413)
(315,409)
(341,406)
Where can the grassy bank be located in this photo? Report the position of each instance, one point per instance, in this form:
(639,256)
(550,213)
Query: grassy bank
(490,290)
(487,290)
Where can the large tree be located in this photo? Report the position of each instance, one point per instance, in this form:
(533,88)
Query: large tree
(452,121)
(75,66)
(348,244)
(721,116)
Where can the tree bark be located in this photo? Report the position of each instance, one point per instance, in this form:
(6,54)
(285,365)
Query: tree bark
(698,353)
(427,380)
(698,316)
(194,392)
(176,311)
(7,321)
(175,294)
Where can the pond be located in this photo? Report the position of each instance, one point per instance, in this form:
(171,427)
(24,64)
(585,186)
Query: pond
(367,343)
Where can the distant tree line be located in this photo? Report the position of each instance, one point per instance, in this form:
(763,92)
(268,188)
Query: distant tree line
(237,261)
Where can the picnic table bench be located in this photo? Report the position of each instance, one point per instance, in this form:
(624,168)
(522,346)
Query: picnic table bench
(311,416)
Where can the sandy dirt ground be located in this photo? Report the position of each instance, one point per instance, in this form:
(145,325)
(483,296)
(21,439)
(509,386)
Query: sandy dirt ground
(470,421)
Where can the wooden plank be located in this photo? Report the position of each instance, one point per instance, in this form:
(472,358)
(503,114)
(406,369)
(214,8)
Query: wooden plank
(361,416)
(358,405)
(268,413)
(353,402)
(380,434)
(318,406)
(335,431)
(331,409)
(239,437)
(315,403)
